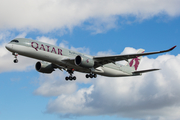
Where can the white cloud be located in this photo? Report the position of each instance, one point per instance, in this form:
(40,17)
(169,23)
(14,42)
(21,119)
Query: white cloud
(81,50)
(150,96)
(55,84)
(4,35)
(65,43)
(102,24)
(101,15)
(129,50)
(47,40)
(22,35)
(105,53)
(73,103)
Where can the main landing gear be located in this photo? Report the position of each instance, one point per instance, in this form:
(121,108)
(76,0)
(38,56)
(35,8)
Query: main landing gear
(91,75)
(15,56)
(70,76)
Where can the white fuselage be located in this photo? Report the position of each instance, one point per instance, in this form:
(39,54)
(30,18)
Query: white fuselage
(53,55)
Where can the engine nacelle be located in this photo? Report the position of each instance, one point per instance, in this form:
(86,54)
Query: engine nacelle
(84,61)
(44,67)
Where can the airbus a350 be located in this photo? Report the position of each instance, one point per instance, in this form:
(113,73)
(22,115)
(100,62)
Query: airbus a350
(52,57)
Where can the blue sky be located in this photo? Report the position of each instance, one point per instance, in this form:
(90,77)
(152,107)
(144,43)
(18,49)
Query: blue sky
(97,29)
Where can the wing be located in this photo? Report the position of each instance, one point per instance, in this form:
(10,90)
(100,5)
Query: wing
(99,61)
(69,60)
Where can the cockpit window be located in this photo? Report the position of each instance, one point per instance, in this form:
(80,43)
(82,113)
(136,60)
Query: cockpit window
(15,41)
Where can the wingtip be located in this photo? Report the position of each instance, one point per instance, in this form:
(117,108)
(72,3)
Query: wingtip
(172,47)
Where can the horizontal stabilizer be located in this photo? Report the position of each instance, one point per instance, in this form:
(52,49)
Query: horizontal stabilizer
(143,71)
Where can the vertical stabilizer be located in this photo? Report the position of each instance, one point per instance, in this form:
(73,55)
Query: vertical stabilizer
(134,63)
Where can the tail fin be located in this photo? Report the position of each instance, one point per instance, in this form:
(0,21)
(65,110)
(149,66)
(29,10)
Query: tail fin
(134,63)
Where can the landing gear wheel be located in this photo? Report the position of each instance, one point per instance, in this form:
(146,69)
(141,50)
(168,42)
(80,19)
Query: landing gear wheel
(91,75)
(15,56)
(70,78)
(95,76)
(67,78)
(74,78)
(16,61)
(87,76)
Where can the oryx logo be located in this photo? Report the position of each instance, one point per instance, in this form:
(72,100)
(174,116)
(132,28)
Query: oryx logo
(134,62)
(87,60)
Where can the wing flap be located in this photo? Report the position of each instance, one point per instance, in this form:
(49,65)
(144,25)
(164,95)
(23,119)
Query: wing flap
(69,60)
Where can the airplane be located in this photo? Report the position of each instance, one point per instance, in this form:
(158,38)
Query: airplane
(52,57)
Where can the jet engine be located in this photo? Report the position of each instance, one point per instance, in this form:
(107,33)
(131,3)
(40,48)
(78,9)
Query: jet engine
(44,67)
(84,61)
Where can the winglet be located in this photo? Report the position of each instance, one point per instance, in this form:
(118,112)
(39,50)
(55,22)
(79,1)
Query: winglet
(172,48)
(168,49)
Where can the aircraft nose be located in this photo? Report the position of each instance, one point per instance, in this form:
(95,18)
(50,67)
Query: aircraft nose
(8,46)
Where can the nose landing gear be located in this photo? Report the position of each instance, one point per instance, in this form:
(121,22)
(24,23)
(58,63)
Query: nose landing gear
(15,56)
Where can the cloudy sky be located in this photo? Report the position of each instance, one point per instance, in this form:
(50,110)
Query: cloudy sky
(95,27)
